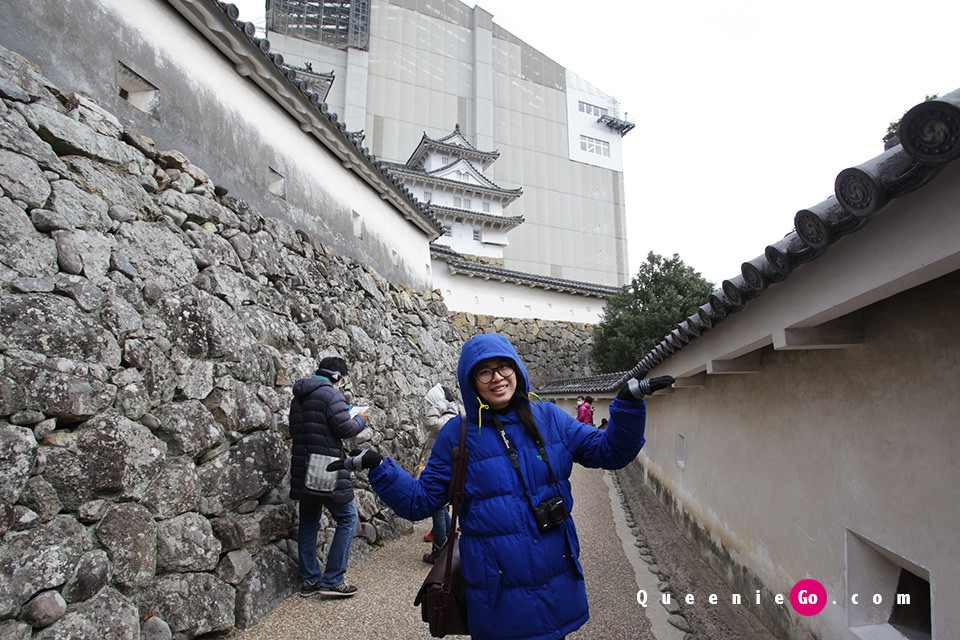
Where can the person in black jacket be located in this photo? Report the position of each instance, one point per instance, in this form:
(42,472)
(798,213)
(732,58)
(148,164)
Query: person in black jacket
(320,420)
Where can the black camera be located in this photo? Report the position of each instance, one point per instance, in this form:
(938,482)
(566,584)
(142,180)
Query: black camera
(550,513)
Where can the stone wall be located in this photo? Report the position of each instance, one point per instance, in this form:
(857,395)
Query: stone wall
(551,350)
(151,328)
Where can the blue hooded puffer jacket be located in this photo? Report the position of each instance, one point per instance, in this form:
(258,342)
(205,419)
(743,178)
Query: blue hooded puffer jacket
(522,584)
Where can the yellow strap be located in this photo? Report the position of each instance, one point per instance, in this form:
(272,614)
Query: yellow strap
(480,414)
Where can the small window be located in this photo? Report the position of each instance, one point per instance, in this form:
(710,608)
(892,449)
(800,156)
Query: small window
(888,596)
(457,201)
(681,451)
(486,207)
(476,235)
(593,145)
(138,91)
(428,196)
(466,203)
(276,183)
(357,225)
(592,109)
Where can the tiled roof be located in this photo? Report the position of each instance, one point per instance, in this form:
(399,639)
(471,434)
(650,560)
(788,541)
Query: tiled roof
(929,140)
(230,41)
(423,175)
(592,384)
(457,264)
(486,218)
(426,142)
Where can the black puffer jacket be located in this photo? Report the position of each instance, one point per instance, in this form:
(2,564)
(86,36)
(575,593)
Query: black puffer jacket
(319,422)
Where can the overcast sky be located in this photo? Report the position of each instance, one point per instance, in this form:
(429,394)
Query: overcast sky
(746,110)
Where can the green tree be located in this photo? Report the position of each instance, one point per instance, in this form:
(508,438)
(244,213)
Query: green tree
(664,292)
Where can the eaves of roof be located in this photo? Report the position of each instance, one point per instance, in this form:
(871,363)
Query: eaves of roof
(426,143)
(929,140)
(457,264)
(219,23)
(486,218)
(505,194)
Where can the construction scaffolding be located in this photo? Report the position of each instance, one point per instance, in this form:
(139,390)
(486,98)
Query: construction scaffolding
(334,23)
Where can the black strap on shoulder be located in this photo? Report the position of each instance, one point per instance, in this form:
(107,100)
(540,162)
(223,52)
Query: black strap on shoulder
(515,461)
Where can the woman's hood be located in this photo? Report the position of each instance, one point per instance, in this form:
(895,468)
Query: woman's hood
(481,347)
(436,396)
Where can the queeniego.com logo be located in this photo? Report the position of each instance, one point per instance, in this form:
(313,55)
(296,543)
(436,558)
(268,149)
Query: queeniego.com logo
(808,598)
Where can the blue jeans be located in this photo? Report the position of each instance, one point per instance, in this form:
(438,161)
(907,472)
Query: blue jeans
(339,552)
(441,525)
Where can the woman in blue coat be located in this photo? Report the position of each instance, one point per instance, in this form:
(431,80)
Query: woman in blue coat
(522,571)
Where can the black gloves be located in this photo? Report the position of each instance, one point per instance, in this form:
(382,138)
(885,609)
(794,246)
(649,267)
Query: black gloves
(358,460)
(638,387)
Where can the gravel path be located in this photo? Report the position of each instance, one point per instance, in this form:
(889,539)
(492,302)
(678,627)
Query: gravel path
(389,577)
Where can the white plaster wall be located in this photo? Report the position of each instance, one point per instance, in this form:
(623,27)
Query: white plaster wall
(505,300)
(300,157)
(785,465)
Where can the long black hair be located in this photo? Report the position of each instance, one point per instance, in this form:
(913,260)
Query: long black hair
(520,402)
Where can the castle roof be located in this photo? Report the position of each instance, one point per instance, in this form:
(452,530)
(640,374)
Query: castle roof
(458,265)
(454,144)
(481,185)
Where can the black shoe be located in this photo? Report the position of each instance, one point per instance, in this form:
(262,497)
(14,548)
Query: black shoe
(431,557)
(308,589)
(343,590)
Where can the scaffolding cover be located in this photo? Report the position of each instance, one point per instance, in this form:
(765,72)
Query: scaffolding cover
(335,23)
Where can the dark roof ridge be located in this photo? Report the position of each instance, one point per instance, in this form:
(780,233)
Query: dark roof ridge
(859,192)
(262,45)
(458,264)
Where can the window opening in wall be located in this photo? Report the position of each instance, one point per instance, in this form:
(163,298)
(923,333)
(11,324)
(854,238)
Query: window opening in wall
(457,201)
(486,207)
(476,235)
(276,183)
(428,196)
(911,616)
(888,597)
(681,451)
(466,203)
(593,145)
(138,91)
(396,258)
(357,225)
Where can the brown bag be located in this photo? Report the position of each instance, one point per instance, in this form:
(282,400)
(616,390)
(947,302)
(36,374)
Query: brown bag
(442,597)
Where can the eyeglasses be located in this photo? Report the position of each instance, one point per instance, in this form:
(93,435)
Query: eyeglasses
(505,369)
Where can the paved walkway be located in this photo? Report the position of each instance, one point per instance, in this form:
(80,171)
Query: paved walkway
(389,577)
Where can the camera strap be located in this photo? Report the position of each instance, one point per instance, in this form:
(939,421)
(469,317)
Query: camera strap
(515,461)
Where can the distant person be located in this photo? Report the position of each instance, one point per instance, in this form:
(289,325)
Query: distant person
(518,548)
(584,410)
(320,420)
(603,424)
(441,407)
